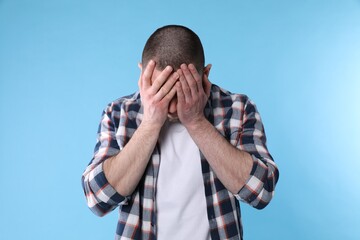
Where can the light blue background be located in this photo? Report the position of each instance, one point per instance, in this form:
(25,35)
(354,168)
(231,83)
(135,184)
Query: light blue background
(61,62)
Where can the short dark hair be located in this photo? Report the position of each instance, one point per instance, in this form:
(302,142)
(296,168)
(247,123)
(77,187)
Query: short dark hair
(173,45)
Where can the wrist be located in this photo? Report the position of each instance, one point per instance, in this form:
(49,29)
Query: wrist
(151,126)
(197,125)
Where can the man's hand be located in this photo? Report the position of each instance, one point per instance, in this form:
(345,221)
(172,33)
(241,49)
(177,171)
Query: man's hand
(125,170)
(231,165)
(193,91)
(156,95)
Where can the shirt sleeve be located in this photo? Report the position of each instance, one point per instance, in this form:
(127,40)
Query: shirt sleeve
(100,195)
(260,186)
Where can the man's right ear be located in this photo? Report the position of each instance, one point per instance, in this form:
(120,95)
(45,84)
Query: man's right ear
(140,65)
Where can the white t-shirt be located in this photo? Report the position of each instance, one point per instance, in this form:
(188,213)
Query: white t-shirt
(180,196)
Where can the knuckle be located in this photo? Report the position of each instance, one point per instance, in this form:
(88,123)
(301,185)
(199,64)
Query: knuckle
(155,85)
(144,77)
(164,90)
(186,88)
(192,83)
(193,71)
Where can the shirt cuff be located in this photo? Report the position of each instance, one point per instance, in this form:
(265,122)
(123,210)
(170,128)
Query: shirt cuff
(103,190)
(254,185)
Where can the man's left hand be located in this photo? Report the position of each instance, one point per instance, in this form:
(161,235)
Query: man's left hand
(193,91)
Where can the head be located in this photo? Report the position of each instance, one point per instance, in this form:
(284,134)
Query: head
(173,45)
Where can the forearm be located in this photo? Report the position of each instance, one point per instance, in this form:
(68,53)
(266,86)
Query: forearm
(231,165)
(125,170)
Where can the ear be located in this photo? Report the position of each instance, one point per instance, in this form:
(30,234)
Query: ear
(206,82)
(139,82)
(207,69)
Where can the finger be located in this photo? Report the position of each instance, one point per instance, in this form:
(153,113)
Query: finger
(161,79)
(190,80)
(180,94)
(197,77)
(147,74)
(167,87)
(185,86)
(170,95)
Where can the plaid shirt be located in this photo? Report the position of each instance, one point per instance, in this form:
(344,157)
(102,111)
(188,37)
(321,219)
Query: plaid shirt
(233,115)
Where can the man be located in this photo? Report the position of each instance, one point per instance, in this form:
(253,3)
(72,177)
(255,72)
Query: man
(177,155)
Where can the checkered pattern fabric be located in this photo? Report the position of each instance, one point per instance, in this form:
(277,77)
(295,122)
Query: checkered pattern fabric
(234,115)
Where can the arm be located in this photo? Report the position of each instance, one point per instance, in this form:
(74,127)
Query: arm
(231,165)
(250,175)
(125,170)
(100,195)
(114,174)
(247,170)
(260,186)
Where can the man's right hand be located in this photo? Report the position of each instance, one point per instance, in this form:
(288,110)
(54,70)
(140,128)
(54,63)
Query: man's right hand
(156,91)
(124,170)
